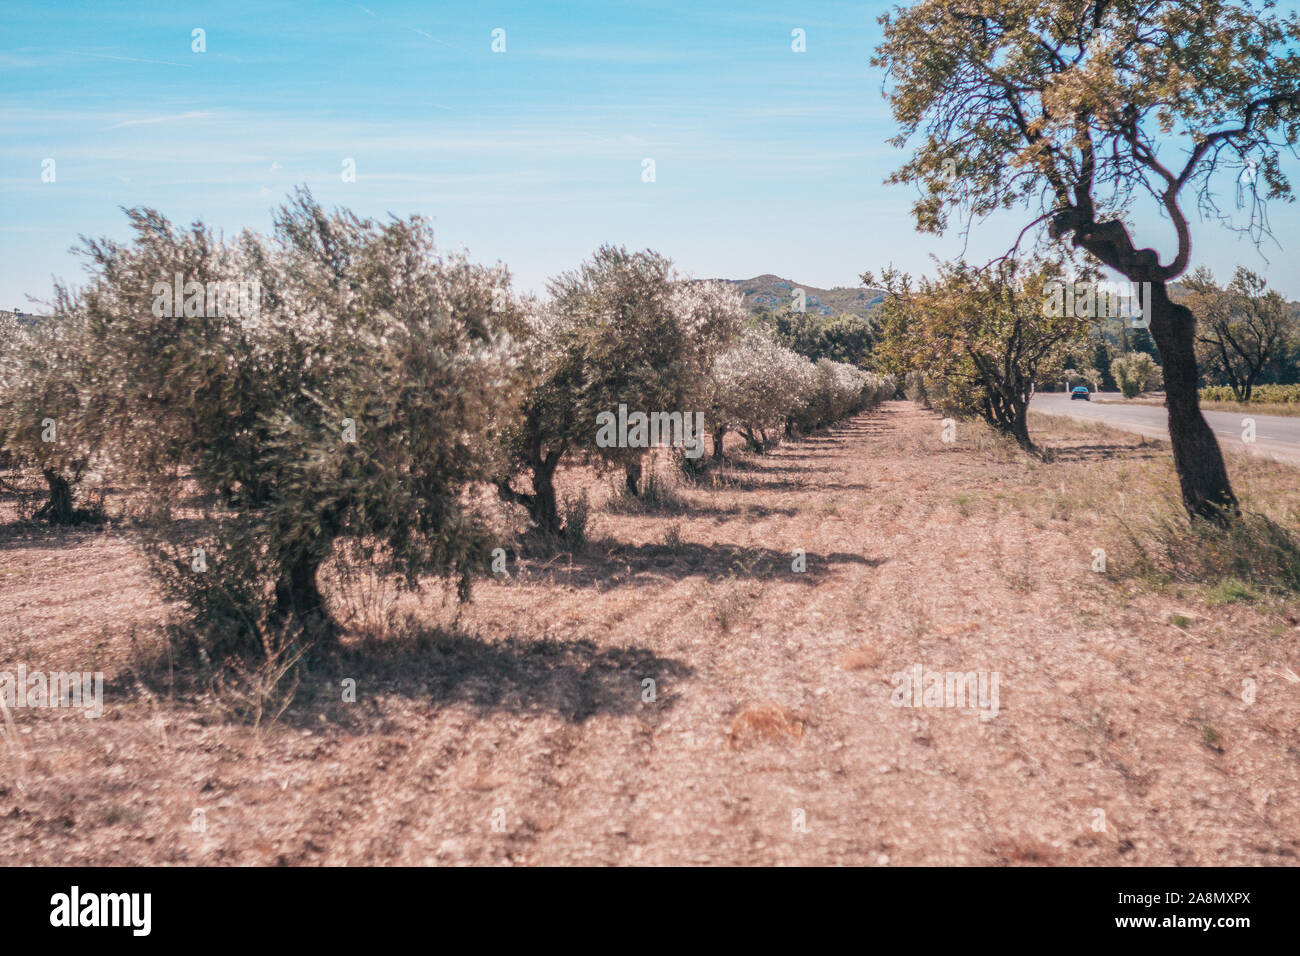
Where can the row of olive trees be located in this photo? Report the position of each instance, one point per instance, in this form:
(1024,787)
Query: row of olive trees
(623,329)
(764,390)
(365,396)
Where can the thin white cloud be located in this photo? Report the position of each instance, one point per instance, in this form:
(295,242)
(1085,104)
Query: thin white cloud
(155,120)
(360,7)
(127,59)
(14,61)
(430,36)
(602,53)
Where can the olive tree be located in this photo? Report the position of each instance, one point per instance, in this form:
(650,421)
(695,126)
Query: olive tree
(1080,112)
(173,351)
(636,334)
(363,404)
(1133,373)
(834,391)
(622,329)
(44,401)
(754,387)
(549,421)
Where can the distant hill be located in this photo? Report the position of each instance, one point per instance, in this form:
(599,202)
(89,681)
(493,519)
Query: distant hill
(772,292)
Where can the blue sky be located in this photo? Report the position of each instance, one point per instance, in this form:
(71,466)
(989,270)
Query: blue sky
(766,160)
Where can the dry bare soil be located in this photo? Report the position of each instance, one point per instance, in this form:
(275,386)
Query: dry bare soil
(520,728)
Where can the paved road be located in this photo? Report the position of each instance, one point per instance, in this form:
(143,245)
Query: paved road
(1276,436)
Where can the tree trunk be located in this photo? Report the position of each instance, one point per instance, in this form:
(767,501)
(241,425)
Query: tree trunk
(718,435)
(1198,460)
(1197,457)
(1020,424)
(543,508)
(58,508)
(632,478)
(298,597)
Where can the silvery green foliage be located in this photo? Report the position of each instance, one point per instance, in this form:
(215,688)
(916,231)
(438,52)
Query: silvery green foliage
(44,403)
(645,337)
(756,385)
(622,328)
(839,390)
(172,390)
(711,315)
(1135,372)
(8,330)
(547,423)
(878,388)
(759,385)
(361,407)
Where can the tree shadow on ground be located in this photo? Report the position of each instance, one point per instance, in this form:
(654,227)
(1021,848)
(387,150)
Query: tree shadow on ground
(863,426)
(112,508)
(632,565)
(685,508)
(811,484)
(743,461)
(572,679)
(42,536)
(1100,451)
(817,443)
(739,510)
(517,675)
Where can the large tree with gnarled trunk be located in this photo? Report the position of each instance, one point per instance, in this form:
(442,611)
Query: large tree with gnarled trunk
(1080,110)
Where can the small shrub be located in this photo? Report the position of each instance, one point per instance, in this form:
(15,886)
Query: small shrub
(727,609)
(692,469)
(260,693)
(577,518)
(1134,372)
(673,537)
(656,496)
